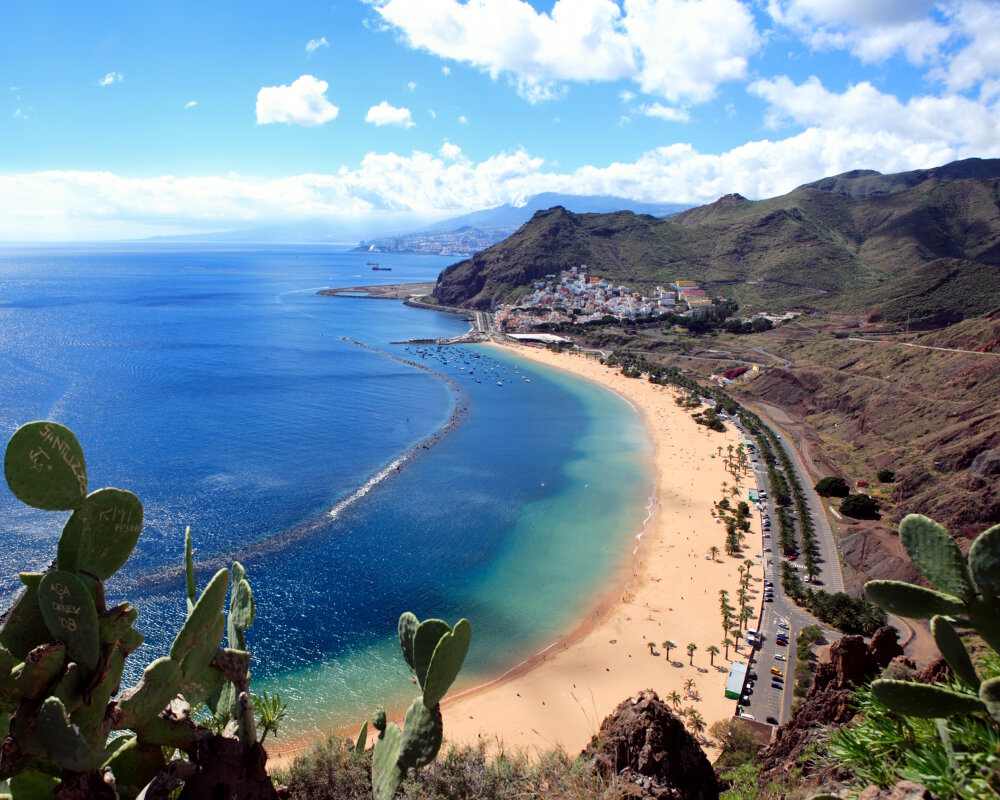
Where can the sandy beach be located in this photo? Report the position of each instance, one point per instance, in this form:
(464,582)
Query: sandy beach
(559,698)
(668,589)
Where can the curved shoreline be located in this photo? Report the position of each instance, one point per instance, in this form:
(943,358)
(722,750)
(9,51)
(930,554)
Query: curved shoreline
(559,695)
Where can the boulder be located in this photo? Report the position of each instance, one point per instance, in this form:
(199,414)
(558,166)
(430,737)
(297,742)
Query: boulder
(651,754)
(883,648)
(904,790)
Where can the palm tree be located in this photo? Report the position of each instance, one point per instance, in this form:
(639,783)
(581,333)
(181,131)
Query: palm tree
(726,643)
(735,633)
(667,645)
(749,565)
(651,646)
(674,699)
(691,648)
(695,721)
(712,651)
(713,552)
(688,686)
(745,615)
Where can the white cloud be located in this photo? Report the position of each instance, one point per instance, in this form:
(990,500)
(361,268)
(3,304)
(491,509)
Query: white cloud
(951,122)
(385,114)
(190,104)
(65,204)
(873,31)
(978,62)
(111,78)
(626,96)
(411,86)
(679,49)
(689,47)
(463,120)
(579,40)
(666,113)
(19,114)
(432,112)
(446,71)
(315,44)
(452,152)
(302,103)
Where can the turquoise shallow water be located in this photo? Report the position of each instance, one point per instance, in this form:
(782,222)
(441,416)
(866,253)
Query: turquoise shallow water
(216,385)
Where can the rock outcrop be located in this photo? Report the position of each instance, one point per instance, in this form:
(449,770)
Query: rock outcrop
(648,750)
(831,696)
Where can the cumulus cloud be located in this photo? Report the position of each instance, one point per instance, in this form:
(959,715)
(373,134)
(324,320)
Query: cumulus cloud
(673,48)
(411,86)
(111,78)
(945,123)
(873,31)
(688,48)
(385,114)
(190,104)
(978,62)
(302,103)
(666,113)
(463,120)
(451,152)
(315,44)
(70,204)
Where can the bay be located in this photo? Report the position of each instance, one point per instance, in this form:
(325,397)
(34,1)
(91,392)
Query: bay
(216,384)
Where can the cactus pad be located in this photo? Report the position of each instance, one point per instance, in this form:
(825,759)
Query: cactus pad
(421,739)
(984,559)
(40,668)
(45,467)
(408,624)
(428,634)
(241,605)
(925,700)
(386,773)
(362,741)
(911,601)
(69,613)
(61,742)
(200,678)
(101,534)
(157,687)
(201,620)
(950,644)
(446,662)
(936,555)
(134,764)
(24,628)
(378,719)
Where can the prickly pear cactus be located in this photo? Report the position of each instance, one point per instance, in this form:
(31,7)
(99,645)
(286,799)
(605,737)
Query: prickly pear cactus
(62,651)
(968,592)
(435,653)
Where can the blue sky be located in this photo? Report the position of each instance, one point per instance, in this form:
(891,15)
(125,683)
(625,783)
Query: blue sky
(134,119)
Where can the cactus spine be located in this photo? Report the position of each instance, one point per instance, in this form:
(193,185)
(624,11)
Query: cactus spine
(969,597)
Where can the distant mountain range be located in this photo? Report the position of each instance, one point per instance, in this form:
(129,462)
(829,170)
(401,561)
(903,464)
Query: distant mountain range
(469,233)
(924,244)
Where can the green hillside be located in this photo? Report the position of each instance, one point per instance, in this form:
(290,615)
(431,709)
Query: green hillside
(924,243)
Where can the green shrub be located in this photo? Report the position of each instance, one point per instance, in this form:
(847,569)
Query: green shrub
(832,487)
(885,475)
(860,506)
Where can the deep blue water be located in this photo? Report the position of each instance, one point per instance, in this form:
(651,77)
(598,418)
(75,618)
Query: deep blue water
(214,383)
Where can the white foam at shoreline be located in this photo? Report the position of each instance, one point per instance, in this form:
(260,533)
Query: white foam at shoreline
(370,484)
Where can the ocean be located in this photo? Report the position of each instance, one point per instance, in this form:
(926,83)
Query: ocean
(354,478)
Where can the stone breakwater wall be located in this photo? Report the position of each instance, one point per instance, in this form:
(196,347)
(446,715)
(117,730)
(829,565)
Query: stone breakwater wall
(278,541)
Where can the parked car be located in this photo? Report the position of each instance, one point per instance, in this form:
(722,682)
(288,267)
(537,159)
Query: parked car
(782,640)
(777,685)
(778,672)
(783,625)
(779,657)
(772,720)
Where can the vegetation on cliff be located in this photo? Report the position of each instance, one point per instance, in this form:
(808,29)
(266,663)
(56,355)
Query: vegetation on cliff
(924,244)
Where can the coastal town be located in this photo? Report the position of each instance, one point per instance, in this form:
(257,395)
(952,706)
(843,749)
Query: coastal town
(577,296)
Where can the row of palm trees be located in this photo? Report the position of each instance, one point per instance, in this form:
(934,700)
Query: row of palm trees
(669,645)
